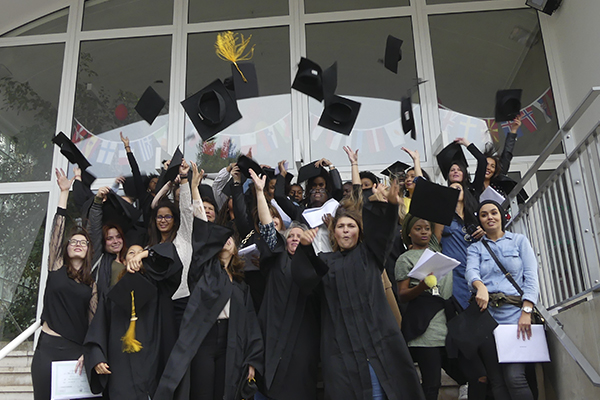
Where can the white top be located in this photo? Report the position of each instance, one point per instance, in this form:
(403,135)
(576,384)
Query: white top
(183,240)
(225,312)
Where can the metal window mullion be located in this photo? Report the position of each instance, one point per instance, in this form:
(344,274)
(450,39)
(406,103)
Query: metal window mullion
(551,251)
(176,127)
(301,143)
(567,221)
(560,230)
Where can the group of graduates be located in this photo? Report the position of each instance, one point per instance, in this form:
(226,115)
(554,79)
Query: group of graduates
(154,298)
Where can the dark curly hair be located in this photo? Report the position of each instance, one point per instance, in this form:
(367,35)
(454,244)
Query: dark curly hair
(83,274)
(154,234)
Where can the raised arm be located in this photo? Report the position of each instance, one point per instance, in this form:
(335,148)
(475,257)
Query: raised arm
(281,196)
(353,158)
(509,146)
(55,260)
(95,223)
(185,201)
(135,169)
(477,184)
(197,204)
(414,154)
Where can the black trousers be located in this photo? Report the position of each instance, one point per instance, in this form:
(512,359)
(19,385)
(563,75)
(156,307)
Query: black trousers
(50,348)
(208,365)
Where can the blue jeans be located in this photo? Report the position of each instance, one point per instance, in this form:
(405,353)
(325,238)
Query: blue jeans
(378,393)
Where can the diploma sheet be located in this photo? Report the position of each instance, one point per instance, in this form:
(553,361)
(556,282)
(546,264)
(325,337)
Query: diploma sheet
(67,384)
(513,350)
(432,262)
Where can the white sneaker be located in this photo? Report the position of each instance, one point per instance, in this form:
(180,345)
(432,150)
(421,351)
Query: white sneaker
(463,392)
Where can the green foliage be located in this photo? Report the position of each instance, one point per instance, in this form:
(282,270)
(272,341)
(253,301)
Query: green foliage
(213,162)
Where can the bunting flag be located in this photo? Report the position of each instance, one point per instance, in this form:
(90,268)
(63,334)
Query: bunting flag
(145,148)
(79,132)
(543,105)
(106,152)
(528,120)
(506,128)
(492,127)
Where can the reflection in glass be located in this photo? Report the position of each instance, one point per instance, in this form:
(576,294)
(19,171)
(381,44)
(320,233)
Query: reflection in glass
(112,76)
(29,91)
(111,14)
(476,54)
(266,124)
(315,6)
(21,244)
(205,10)
(359,47)
(55,22)
(451,1)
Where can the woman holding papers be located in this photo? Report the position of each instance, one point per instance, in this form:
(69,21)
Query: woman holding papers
(363,353)
(424,321)
(70,298)
(288,318)
(496,293)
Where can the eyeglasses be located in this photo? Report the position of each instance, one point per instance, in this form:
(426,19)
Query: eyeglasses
(165,217)
(82,243)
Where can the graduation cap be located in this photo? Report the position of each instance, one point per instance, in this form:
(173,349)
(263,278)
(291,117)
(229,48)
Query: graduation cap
(451,154)
(395,169)
(269,172)
(246,164)
(119,212)
(129,187)
(329,82)
(470,328)
(212,109)
(309,79)
(244,89)
(150,105)
(508,104)
(87,178)
(170,173)
(369,175)
(132,293)
(393,53)
(228,188)
(69,150)
(207,194)
(309,171)
(408,120)
(340,114)
(433,202)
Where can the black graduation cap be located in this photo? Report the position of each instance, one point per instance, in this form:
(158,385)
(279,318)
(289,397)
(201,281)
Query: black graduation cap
(150,105)
(207,194)
(309,79)
(309,171)
(449,155)
(508,104)
(69,150)
(470,328)
(393,53)
(228,188)
(87,178)
(170,173)
(212,109)
(508,184)
(340,115)
(408,120)
(248,89)
(143,290)
(329,82)
(246,163)
(433,202)
(269,172)
(395,169)
(129,187)
(119,212)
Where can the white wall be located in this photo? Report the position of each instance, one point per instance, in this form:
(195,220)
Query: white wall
(571,38)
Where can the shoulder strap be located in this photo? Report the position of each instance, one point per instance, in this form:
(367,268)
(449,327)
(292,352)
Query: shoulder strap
(504,271)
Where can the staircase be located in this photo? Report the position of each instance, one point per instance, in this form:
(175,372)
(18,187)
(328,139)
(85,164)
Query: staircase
(15,373)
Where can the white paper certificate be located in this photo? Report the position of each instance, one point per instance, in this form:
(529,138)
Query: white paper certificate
(513,350)
(66,384)
(431,262)
(248,254)
(314,216)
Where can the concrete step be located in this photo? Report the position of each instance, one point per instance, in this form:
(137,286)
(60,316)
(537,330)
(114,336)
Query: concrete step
(15,376)
(17,358)
(16,393)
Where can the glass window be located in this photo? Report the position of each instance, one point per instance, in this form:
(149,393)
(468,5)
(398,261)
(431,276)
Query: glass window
(205,10)
(315,6)
(110,14)
(112,76)
(51,23)
(451,1)
(476,54)
(29,91)
(265,127)
(359,47)
(21,244)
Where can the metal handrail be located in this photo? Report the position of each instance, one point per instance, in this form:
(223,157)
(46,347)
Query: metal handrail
(20,339)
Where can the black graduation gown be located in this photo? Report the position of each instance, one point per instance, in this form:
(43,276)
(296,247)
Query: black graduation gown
(289,321)
(134,375)
(207,300)
(357,324)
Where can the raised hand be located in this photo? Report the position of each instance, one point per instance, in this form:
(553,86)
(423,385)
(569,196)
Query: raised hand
(184,168)
(63,182)
(414,154)
(236,174)
(259,182)
(352,155)
(462,141)
(102,192)
(125,141)
(308,236)
(515,124)
(282,170)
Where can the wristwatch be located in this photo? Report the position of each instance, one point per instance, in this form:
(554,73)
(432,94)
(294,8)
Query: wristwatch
(527,310)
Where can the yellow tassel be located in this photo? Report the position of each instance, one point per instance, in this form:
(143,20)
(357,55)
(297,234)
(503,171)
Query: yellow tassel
(228,49)
(130,344)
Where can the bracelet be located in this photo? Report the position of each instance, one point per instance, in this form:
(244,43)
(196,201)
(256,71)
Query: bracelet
(128,147)
(353,163)
(183,176)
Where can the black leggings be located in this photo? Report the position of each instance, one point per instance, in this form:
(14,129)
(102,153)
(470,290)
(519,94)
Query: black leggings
(50,348)
(430,361)
(208,365)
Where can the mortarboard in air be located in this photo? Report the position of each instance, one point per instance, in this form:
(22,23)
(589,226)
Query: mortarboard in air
(329,82)
(340,114)
(508,104)
(309,171)
(144,291)
(170,173)
(393,53)
(70,151)
(395,169)
(211,109)
(449,155)
(433,202)
(87,178)
(408,120)
(248,89)
(150,105)
(246,164)
(309,79)
(470,328)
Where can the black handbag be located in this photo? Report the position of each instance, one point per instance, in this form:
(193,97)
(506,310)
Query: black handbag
(246,388)
(536,317)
